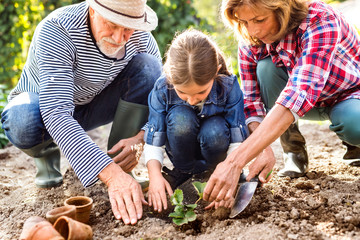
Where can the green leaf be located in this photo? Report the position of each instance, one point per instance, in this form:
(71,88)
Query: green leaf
(199,188)
(180,221)
(177,215)
(191,206)
(190,216)
(179,208)
(177,197)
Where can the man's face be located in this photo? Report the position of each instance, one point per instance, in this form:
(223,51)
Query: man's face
(109,37)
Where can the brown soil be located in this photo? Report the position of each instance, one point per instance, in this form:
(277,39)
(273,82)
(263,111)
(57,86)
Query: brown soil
(323,205)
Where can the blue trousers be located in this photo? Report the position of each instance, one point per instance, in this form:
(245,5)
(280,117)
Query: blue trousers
(193,144)
(344,116)
(24,126)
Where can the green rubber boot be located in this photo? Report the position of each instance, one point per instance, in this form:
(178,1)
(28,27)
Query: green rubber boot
(128,120)
(47,162)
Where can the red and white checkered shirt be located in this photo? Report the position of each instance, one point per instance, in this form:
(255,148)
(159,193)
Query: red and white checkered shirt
(322,59)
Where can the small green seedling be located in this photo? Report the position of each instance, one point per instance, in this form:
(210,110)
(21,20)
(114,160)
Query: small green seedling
(199,186)
(185,213)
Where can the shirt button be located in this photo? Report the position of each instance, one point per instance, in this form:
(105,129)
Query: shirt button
(202,116)
(113,64)
(151,129)
(288,64)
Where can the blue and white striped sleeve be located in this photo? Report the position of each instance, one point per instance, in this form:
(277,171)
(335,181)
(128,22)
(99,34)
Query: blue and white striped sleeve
(152,47)
(55,54)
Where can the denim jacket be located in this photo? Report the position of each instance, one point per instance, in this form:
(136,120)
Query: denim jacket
(225,99)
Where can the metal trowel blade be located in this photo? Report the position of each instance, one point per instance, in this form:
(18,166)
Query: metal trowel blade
(243,197)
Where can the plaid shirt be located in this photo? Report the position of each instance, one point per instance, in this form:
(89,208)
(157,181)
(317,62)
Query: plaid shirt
(322,58)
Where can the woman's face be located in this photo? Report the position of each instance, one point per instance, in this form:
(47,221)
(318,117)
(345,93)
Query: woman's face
(261,24)
(193,93)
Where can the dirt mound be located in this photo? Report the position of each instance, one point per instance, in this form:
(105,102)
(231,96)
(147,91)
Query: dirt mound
(325,204)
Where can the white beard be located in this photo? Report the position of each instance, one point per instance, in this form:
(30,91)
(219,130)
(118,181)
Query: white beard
(108,50)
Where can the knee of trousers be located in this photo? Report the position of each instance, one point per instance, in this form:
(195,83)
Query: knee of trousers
(266,70)
(23,124)
(350,132)
(149,66)
(182,121)
(344,118)
(271,80)
(214,134)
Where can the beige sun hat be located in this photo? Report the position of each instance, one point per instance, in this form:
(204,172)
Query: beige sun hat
(133,14)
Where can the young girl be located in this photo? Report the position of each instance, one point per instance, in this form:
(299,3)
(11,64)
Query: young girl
(196,111)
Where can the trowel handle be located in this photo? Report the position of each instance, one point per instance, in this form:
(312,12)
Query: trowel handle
(255,179)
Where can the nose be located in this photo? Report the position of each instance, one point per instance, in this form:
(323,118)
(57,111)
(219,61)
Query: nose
(118,35)
(192,100)
(121,34)
(253,31)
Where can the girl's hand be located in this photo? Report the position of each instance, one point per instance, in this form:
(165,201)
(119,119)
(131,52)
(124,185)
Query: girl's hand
(157,192)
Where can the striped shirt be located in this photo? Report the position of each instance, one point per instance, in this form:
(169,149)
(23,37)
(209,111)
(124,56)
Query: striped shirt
(322,58)
(66,68)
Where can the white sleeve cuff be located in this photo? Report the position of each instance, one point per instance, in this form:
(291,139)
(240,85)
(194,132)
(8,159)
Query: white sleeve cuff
(258,119)
(232,147)
(153,152)
(296,117)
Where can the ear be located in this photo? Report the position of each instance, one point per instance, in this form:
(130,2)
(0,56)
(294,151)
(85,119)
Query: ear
(219,67)
(91,12)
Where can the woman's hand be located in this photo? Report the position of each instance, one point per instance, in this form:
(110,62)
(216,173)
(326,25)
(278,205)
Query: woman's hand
(223,182)
(262,166)
(226,204)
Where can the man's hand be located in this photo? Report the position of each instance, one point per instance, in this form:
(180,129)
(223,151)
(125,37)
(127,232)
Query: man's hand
(125,194)
(262,166)
(126,159)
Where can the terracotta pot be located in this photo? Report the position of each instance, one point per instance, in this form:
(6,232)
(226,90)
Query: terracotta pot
(37,228)
(83,207)
(71,229)
(68,210)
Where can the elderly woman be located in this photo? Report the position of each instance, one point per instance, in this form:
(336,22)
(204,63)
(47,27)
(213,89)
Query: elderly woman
(301,60)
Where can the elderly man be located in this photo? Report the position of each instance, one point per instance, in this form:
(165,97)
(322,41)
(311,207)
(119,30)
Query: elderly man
(89,64)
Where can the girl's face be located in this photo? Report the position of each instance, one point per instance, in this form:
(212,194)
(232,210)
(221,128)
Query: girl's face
(193,93)
(261,24)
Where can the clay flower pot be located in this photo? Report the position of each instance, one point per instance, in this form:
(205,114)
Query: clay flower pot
(83,207)
(68,210)
(71,229)
(37,228)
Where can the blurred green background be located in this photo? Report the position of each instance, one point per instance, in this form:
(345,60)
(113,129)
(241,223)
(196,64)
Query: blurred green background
(18,20)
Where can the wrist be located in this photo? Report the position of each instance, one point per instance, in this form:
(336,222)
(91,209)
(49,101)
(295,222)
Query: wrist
(108,172)
(140,136)
(154,168)
(235,158)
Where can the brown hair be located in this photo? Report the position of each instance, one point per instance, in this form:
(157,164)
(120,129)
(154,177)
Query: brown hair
(193,56)
(289,14)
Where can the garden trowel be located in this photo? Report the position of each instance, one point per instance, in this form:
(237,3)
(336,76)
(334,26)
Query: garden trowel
(244,195)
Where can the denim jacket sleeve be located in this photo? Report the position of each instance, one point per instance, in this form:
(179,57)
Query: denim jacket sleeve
(155,133)
(234,113)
